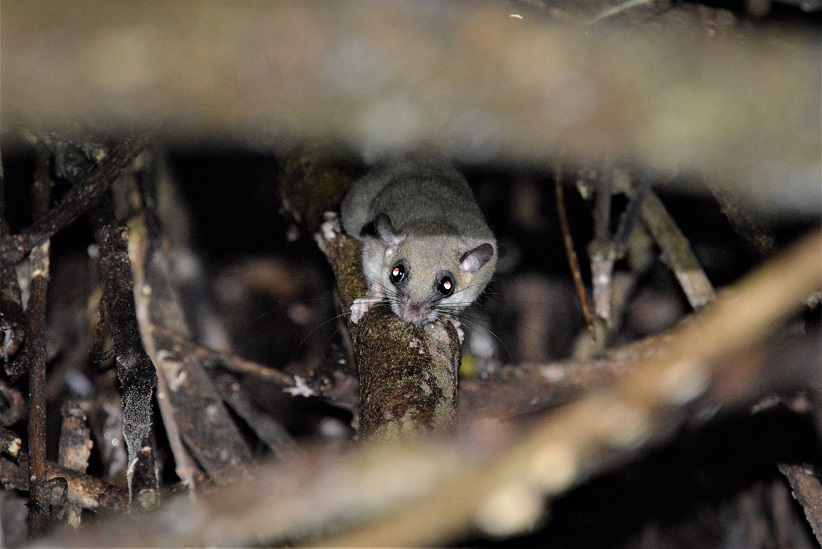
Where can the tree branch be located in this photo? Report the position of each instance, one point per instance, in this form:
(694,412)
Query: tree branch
(549,91)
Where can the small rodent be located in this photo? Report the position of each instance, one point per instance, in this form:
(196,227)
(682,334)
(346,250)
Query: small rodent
(427,249)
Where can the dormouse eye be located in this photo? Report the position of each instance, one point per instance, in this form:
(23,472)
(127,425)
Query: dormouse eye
(398,273)
(445,286)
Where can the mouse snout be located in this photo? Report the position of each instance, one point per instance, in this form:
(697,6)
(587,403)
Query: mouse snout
(414,313)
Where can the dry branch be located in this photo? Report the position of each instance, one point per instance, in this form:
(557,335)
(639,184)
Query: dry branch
(227,359)
(89,492)
(376,77)
(602,254)
(83,490)
(193,413)
(92,181)
(36,346)
(267,429)
(427,493)
(134,368)
(677,252)
(570,252)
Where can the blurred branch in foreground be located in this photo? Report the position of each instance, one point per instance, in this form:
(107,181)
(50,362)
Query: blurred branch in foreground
(465,78)
(429,493)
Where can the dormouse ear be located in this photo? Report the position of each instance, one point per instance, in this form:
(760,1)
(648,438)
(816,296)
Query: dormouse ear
(386,232)
(472,260)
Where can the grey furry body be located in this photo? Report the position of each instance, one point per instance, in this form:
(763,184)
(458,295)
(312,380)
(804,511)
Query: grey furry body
(426,219)
(422,197)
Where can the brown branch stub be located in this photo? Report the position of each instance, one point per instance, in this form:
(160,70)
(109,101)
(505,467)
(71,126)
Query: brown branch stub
(89,492)
(807,490)
(74,450)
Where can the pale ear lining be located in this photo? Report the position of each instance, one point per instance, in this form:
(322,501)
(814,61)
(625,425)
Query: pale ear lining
(385,230)
(472,260)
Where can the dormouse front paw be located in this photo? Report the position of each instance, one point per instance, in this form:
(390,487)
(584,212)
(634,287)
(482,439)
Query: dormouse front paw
(362,305)
(331,226)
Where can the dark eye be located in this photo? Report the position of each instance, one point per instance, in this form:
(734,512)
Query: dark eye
(398,273)
(445,286)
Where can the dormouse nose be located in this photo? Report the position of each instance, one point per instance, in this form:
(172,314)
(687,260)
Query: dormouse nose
(414,313)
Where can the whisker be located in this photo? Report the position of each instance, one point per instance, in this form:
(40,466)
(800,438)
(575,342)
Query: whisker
(475,327)
(283,306)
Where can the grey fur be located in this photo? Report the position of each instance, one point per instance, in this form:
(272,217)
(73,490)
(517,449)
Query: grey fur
(435,222)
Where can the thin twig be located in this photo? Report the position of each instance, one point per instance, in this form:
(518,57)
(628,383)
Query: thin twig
(39,260)
(602,253)
(677,252)
(573,261)
(630,217)
(229,360)
(77,201)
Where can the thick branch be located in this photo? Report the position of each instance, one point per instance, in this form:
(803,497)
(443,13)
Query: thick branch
(409,76)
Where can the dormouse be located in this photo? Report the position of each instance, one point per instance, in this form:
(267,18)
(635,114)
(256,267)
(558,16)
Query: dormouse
(427,249)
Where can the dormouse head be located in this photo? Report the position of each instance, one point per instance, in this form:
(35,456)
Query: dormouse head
(430,275)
